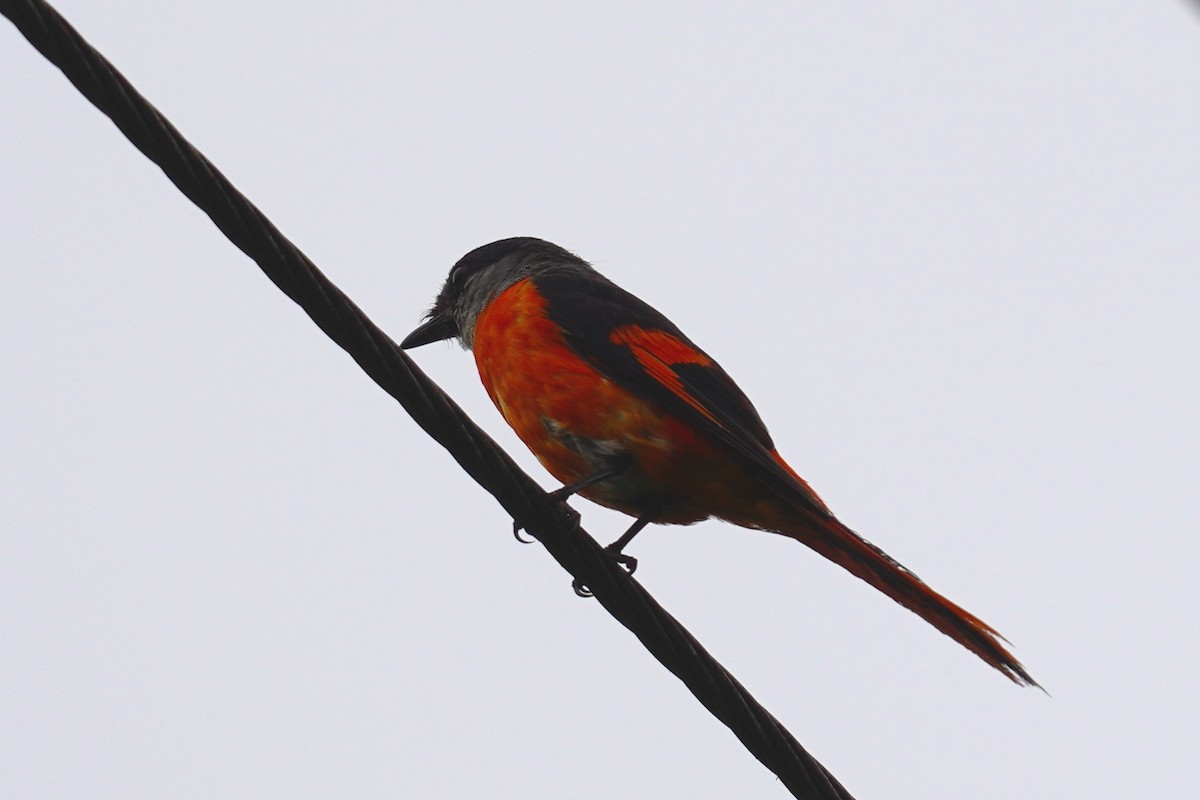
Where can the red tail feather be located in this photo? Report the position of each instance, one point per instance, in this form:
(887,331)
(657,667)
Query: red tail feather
(839,544)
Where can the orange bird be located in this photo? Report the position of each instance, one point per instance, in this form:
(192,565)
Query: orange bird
(626,411)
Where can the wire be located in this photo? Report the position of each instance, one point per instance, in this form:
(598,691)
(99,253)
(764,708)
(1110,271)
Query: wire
(553,523)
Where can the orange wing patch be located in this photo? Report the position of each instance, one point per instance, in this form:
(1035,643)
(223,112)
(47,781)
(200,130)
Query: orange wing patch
(657,351)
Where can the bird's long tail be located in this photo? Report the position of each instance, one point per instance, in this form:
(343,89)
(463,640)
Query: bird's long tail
(829,537)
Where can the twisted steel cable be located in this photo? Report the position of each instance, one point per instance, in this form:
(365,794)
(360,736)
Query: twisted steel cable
(553,523)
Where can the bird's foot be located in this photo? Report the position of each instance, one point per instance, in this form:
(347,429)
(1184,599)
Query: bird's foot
(573,515)
(627,561)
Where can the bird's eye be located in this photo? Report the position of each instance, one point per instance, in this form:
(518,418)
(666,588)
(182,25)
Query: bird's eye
(456,276)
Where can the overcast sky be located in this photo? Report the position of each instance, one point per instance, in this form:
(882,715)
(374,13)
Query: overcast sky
(950,250)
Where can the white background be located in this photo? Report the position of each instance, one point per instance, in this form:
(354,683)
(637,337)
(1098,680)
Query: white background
(951,250)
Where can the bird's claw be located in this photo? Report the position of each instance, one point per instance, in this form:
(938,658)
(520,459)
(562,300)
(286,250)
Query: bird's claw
(627,561)
(574,516)
(517,534)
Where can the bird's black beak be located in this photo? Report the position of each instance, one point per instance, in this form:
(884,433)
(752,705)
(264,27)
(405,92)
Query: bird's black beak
(435,329)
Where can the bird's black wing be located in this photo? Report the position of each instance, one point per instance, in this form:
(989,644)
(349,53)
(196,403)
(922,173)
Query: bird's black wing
(633,344)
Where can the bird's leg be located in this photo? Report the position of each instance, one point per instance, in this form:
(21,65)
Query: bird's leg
(615,468)
(612,470)
(614,549)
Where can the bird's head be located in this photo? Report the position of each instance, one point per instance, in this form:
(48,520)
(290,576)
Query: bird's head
(480,277)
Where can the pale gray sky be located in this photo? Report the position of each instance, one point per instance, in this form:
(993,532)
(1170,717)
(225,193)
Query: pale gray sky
(951,250)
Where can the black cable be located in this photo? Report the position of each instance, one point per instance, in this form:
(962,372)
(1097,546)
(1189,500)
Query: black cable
(552,523)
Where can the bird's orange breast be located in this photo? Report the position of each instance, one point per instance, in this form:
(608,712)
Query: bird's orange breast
(568,414)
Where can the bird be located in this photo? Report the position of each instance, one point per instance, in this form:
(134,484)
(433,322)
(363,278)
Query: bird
(626,411)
